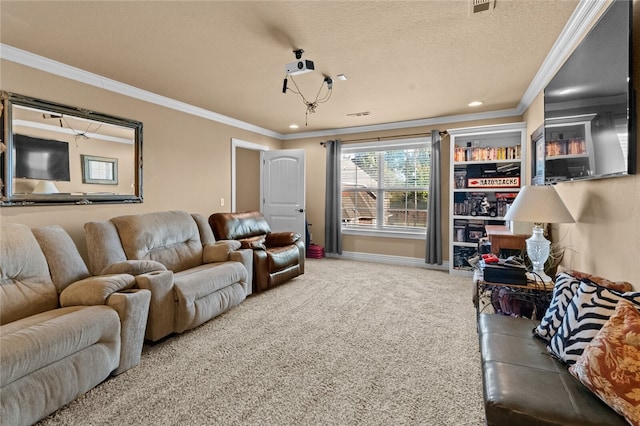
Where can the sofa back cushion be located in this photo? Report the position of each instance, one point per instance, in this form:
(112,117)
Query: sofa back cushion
(103,246)
(206,234)
(171,238)
(65,263)
(25,284)
(238,226)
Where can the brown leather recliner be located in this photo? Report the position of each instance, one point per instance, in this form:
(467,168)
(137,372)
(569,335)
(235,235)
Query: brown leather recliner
(277,256)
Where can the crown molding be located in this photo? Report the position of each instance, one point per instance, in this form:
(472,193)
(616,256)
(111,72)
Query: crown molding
(578,24)
(406,124)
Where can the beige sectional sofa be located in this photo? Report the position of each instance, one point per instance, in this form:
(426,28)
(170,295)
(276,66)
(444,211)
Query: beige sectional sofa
(62,331)
(192,278)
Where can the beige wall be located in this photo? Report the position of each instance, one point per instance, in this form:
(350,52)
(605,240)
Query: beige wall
(247,179)
(187,159)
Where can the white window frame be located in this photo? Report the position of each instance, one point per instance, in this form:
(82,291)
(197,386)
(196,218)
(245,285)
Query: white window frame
(405,233)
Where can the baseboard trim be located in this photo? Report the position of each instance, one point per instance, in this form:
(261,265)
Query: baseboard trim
(388,259)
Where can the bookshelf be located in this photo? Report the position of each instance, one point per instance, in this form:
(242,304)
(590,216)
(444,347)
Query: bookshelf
(486,174)
(568,148)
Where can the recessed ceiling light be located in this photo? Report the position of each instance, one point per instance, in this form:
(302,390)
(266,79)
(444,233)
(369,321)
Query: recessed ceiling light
(475,103)
(342,77)
(293,126)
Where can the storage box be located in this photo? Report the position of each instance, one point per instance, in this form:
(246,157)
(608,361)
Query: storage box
(315,251)
(506,274)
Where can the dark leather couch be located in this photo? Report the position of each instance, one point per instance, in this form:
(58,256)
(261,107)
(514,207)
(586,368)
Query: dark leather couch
(277,256)
(524,385)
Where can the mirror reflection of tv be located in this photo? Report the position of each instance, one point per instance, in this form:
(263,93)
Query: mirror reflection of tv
(43,159)
(589,105)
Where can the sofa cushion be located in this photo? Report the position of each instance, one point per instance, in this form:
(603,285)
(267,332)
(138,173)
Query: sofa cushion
(171,238)
(219,251)
(279,239)
(587,312)
(565,288)
(25,284)
(206,291)
(610,364)
(523,385)
(254,243)
(35,342)
(282,257)
(95,290)
(236,226)
(524,396)
(621,286)
(205,279)
(62,256)
(133,267)
(104,246)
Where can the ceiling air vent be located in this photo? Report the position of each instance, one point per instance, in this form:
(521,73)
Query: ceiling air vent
(478,6)
(359,114)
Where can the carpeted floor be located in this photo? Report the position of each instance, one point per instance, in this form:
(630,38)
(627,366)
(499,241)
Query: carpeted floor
(348,343)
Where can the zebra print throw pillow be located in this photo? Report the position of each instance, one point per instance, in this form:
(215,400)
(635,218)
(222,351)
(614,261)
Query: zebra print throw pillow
(587,312)
(563,291)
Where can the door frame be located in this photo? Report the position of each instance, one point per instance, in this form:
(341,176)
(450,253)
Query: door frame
(239,143)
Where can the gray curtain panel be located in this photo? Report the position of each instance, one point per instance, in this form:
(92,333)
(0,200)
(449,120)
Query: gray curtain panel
(332,216)
(434,221)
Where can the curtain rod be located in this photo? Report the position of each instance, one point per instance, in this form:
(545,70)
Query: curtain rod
(442,134)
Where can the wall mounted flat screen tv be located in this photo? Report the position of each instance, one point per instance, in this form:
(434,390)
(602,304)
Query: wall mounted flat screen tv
(43,159)
(589,105)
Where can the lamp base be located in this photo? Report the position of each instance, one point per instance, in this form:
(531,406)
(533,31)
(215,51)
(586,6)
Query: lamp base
(540,275)
(538,252)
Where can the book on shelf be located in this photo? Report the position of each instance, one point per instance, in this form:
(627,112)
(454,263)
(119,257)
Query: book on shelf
(503,200)
(477,153)
(573,146)
(460,178)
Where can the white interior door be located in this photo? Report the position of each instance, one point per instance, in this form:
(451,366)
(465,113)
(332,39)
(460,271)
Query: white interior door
(283,190)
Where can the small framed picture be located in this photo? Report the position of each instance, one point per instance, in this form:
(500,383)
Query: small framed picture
(100,170)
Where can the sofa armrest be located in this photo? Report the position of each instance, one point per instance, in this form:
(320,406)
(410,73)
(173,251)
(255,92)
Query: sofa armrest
(95,290)
(162,308)
(133,267)
(132,306)
(245,256)
(281,239)
(219,251)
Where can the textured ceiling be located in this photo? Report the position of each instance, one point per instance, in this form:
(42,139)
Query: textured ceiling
(404,60)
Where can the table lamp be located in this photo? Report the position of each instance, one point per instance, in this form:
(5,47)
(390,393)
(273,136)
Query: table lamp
(540,205)
(45,187)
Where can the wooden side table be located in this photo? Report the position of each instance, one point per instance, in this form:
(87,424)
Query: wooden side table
(502,238)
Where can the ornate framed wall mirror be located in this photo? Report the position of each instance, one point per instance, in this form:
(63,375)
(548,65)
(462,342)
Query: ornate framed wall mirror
(57,154)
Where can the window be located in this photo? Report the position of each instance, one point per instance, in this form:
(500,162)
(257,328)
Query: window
(385,186)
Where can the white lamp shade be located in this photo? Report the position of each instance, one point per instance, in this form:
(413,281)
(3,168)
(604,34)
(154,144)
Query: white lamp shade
(45,187)
(539,204)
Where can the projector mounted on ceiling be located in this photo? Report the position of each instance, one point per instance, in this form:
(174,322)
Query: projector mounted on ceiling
(300,66)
